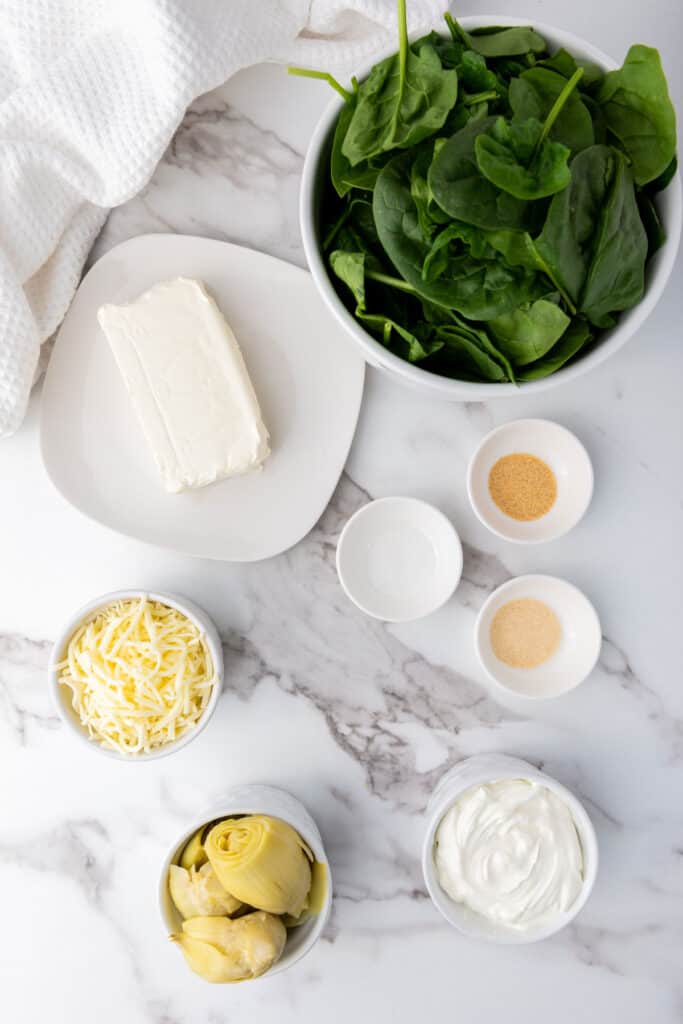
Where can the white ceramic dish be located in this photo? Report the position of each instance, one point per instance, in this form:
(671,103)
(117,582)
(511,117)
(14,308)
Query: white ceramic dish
(257,799)
(475,771)
(399,559)
(670,206)
(561,451)
(579,647)
(309,384)
(61,695)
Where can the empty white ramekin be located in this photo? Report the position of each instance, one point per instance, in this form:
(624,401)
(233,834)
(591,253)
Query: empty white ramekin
(61,695)
(474,771)
(277,803)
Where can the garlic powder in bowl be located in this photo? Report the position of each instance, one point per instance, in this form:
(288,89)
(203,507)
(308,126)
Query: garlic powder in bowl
(136,675)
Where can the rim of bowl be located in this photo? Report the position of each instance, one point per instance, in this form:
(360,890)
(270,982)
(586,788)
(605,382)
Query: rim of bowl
(312,838)
(449,388)
(186,607)
(584,827)
(503,588)
(434,510)
(528,541)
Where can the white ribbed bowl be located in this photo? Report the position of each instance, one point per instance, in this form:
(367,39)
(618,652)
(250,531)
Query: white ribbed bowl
(257,799)
(659,268)
(474,771)
(61,695)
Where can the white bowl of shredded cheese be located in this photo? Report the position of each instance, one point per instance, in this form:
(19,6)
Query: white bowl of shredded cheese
(137,675)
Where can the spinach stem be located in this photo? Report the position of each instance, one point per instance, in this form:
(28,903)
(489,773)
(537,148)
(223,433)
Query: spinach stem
(556,109)
(480,97)
(570,305)
(336,228)
(402,41)
(456,32)
(393,282)
(325,76)
(548,272)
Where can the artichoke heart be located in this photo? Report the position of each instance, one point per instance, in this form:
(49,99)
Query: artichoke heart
(222,950)
(262,861)
(193,856)
(198,893)
(315,901)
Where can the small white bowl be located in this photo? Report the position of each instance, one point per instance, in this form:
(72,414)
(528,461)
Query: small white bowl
(579,646)
(474,771)
(258,799)
(61,695)
(399,559)
(561,451)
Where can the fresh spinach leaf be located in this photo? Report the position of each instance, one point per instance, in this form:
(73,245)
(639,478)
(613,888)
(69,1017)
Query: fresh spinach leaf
(350,268)
(474,241)
(507,68)
(654,229)
(518,249)
(406,343)
(661,182)
(564,64)
(639,112)
(474,75)
(576,337)
(514,156)
(461,190)
(449,50)
(340,168)
(597,117)
(561,62)
(478,335)
(479,289)
(430,216)
(344,175)
(535,93)
(506,42)
(405,99)
(529,331)
(465,353)
(593,239)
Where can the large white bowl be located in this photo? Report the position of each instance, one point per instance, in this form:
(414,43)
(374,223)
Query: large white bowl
(61,694)
(659,268)
(476,771)
(258,799)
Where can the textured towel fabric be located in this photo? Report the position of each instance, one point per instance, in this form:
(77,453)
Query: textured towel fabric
(91,92)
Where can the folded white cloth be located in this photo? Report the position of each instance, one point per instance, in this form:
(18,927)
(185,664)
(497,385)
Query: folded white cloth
(91,92)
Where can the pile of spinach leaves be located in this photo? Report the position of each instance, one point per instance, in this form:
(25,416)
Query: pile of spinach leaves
(490,206)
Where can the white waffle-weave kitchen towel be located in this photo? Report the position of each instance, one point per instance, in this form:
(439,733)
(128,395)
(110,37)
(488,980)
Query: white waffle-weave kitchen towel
(91,92)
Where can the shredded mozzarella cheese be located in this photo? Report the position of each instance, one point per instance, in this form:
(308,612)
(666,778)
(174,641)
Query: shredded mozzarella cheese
(140,675)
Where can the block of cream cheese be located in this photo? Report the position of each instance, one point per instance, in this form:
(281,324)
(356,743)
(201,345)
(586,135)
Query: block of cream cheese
(188,384)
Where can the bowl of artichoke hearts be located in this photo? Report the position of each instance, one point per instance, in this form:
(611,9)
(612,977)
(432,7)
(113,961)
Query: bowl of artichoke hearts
(247,890)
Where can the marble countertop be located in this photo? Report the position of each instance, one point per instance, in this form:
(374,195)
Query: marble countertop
(357,718)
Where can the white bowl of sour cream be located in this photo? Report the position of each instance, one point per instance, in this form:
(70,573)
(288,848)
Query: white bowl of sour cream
(510,855)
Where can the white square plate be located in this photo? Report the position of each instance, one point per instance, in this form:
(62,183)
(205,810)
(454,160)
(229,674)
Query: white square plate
(307,375)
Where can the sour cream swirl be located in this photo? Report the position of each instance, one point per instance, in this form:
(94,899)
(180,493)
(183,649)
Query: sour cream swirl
(510,851)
